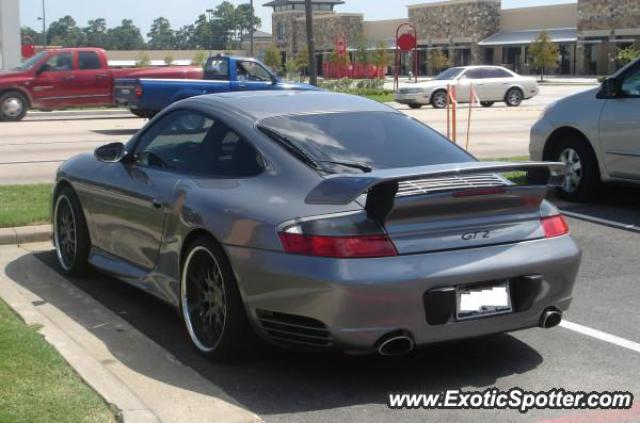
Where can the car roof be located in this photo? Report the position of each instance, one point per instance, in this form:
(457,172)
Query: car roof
(259,105)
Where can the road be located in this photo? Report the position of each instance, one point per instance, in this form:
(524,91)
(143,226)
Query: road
(285,386)
(31,150)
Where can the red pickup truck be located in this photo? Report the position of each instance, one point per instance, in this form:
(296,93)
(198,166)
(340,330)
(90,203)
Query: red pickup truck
(70,77)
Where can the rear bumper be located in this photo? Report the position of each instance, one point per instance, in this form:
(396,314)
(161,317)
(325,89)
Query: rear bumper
(360,301)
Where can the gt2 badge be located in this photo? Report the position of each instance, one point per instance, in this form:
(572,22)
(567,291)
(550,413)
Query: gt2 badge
(470,236)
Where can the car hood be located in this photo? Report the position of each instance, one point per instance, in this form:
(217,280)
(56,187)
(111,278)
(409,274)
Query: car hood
(13,77)
(12,74)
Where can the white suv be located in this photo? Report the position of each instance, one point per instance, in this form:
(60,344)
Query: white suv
(596,132)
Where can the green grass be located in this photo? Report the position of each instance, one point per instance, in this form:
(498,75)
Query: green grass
(36,384)
(22,205)
(519,178)
(386,97)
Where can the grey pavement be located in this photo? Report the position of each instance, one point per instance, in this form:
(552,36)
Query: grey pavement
(31,150)
(286,386)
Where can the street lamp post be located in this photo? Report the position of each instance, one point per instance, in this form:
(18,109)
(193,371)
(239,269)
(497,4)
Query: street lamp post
(251,30)
(210,14)
(311,45)
(44,24)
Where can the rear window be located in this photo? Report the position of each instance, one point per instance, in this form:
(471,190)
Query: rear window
(379,140)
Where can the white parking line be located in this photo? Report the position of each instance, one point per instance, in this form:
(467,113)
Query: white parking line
(601,221)
(602,336)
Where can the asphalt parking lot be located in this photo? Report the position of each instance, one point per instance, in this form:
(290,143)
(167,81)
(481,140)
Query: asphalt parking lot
(283,386)
(31,150)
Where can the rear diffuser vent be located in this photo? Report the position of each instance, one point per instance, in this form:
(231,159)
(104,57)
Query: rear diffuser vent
(294,330)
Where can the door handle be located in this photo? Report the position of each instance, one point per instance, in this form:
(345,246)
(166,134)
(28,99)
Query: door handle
(157,204)
(70,78)
(101,76)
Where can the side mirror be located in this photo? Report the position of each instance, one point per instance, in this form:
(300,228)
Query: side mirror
(111,153)
(609,88)
(44,68)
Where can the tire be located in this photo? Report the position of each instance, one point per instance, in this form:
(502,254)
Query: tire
(139,113)
(70,233)
(439,99)
(13,106)
(514,97)
(583,182)
(487,103)
(415,106)
(208,287)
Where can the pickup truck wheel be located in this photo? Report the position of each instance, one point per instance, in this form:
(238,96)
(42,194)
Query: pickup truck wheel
(13,106)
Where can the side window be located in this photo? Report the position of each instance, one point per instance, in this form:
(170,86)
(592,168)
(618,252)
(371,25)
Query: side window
(477,73)
(88,60)
(631,84)
(60,62)
(192,143)
(499,73)
(226,154)
(217,70)
(175,142)
(252,71)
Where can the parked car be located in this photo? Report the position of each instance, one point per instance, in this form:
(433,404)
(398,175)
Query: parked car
(492,84)
(304,218)
(146,97)
(596,132)
(69,77)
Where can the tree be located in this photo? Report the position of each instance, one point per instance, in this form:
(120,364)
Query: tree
(199,59)
(184,38)
(627,55)
(126,37)
(439,60)
(380,56)
(27,31)
(64,32)
(142,60)
(161,36)
(273,58)
(544,53)
(246,20)
(95,34)
(301,61)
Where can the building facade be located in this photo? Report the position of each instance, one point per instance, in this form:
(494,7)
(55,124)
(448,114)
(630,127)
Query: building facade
(10,45)
(589,33)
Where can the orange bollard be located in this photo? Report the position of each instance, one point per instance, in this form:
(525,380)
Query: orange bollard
(449,112)
(454,118)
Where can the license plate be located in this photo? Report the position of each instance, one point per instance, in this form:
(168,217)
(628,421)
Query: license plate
(125,91)
(484,300)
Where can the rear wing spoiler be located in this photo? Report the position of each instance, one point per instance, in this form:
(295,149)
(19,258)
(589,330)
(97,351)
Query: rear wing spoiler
(383,184)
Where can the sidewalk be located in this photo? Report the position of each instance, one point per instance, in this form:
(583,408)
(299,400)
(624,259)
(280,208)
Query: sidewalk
(131,372)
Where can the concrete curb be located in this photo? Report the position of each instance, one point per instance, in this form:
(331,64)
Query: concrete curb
(140,380)
(25,234)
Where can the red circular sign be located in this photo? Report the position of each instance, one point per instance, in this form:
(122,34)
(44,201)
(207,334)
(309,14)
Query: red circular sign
(407,42)
(28,51)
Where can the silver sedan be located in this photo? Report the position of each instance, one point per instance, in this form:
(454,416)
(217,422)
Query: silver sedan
(491,83)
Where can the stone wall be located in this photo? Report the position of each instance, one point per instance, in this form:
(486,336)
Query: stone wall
(606,15)
(462,22)
(326,29)
(472,19)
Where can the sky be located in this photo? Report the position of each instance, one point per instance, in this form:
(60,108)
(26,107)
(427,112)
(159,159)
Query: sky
(183,12)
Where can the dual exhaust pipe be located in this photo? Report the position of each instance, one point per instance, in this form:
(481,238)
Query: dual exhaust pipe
(401,343)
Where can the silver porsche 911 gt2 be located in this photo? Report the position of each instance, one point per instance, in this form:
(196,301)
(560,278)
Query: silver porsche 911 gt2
(316,220)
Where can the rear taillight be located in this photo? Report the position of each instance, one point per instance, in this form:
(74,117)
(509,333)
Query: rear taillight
(138,90)
(347,235)
(554,226)
(338,246)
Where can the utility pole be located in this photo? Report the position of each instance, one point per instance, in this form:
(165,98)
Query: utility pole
(252,29)
(44,24)
(311,44)
(210,15)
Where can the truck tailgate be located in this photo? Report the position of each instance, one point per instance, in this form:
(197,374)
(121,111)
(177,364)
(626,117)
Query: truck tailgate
(124,90)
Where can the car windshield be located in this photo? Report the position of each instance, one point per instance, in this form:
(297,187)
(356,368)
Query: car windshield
(450,73)
(363,141)
(28,64)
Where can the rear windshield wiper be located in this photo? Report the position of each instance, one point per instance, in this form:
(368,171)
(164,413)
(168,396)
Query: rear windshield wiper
(363,167)
(291,147)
